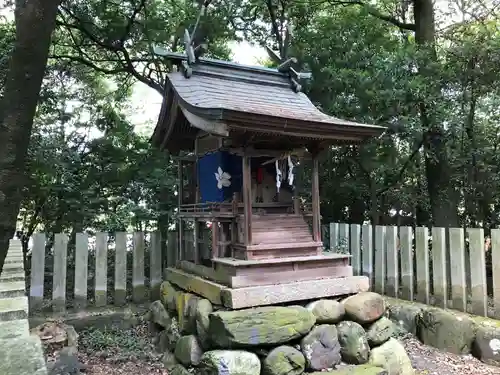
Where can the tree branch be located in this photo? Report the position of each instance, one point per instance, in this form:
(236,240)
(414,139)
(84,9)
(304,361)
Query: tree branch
(123,56)
(376,13)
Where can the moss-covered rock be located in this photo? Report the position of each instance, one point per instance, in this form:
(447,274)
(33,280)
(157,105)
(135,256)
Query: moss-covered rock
(229,362)
(380,331)
(486,346)
(354,370)
(169,361)
(321,347)
(168,296)
(167,339)
(449,331)
(283,360)
(179,370)
(392,357)
(327,311)
(186,312)
(365,307)
(259,326)
(158,314)
(404,315)
(202,312)
(188,351)
(354,346)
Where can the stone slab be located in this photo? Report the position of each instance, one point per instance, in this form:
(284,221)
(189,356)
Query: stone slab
(12,289)
(13,308)
(12,276)
(10,267)
(14,328)
(291,292)
(22,356)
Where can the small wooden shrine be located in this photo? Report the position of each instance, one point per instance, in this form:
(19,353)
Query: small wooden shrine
(240,133)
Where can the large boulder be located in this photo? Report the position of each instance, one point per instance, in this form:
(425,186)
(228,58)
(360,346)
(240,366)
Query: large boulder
(327,311)
(354,370)
(168,296)
(202,312)
(188,351)
(392,357)
(229,362)
(354,346)
(365,307)
(259,326)
(449,331)
(486,346)
(321,347)
(283,360)
(380,331)
(405,316)
(159,315)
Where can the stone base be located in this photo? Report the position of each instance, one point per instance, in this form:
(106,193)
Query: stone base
(351,336)
(264,295)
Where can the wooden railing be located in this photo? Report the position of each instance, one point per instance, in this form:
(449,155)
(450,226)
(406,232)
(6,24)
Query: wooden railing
(206,207)
(456,268)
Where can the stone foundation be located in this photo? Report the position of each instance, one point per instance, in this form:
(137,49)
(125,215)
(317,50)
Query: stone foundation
(352,336)
(448,330)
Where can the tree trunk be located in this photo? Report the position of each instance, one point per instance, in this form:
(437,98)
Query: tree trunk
(443,198)
(35,22)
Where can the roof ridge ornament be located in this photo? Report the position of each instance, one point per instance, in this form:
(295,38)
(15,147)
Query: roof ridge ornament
(285,65)
(193,52)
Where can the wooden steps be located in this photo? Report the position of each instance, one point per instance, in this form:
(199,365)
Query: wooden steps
(278,235)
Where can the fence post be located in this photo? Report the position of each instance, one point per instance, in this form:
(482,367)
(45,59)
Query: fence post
(367,252)
(495,264)
(138,286)
(334,236)
(355,249)
(101,269)
(422,263)
(155,264)
(172,249)
(59,272)
(120,268)
(37,272)
(457,269)
(81,269)
(406,246)
(380,250)
(478,271)
(343,242)
(439,267)
(392,261)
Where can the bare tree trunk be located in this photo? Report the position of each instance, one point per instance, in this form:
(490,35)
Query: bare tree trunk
(35,22)
(443,198)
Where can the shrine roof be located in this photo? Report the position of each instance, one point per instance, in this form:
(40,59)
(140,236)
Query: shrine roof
(248,98)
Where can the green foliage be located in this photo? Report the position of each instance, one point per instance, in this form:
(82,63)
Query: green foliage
(113,340)
(90,170)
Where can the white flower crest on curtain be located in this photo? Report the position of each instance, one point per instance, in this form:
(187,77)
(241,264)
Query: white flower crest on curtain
(222,178)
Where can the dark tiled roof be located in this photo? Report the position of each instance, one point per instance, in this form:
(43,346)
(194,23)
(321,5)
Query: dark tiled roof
(247,98)
(213,90)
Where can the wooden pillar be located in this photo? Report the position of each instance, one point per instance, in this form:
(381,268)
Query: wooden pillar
(315,199)
(247,200)
(180,196)
(215,239)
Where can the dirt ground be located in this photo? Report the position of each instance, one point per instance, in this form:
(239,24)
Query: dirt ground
(120,352)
